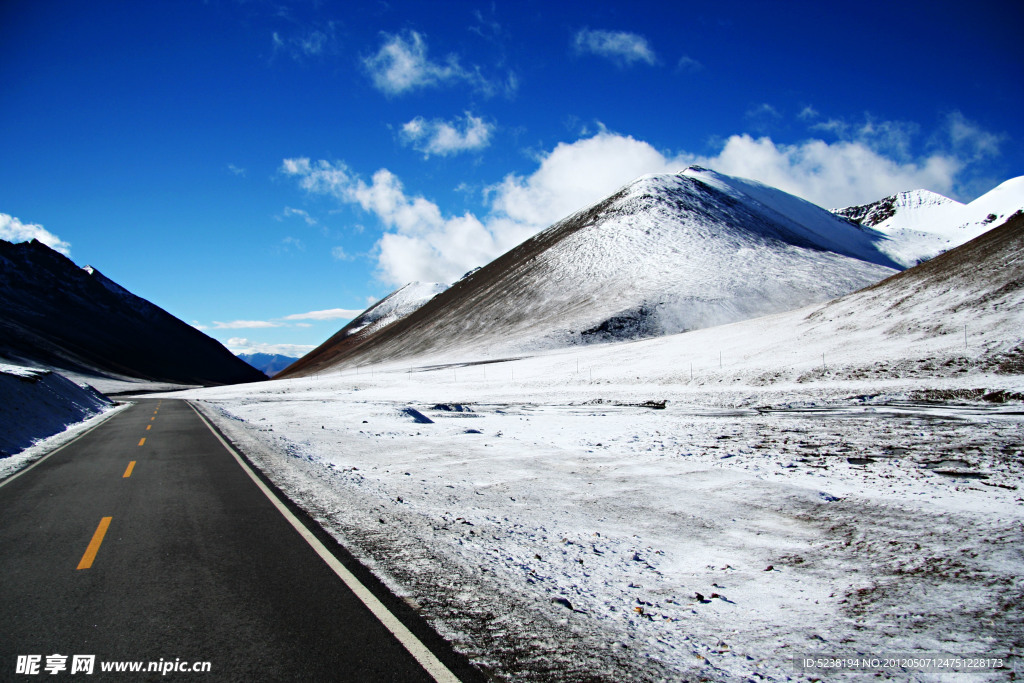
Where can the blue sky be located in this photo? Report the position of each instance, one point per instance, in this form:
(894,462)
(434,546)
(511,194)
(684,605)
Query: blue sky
(264,170)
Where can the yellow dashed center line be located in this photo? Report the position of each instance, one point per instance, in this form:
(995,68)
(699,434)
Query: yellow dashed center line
(94,544)
(142,441)
(128,472)
(148,427)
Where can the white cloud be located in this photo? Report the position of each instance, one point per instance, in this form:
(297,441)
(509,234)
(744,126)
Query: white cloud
(238,345)
(289,243)
(285,321)
(969,139)
(688,64)
(763,110)
(244,324)
(402,65)
(304,215)
(328,314)
(808,113)
(339,254)
(307,43)
(236,170)
(421,242)
(621,47)
(831,174)
(572,176)
(13,230)
(441,137)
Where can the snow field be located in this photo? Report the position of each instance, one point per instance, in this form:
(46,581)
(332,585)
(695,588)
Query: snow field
(572,537)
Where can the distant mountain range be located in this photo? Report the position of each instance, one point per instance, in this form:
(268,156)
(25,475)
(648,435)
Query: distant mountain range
(920,224)
(666,254)
(56,315)
(268,363)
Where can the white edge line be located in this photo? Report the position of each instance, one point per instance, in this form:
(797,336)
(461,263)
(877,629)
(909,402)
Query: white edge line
(417,649)
(104,417)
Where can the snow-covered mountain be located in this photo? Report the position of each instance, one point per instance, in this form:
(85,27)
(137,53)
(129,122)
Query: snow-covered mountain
(922,224)
(54,314)
(268,363)
(394,306)
(977,287)
(665,254)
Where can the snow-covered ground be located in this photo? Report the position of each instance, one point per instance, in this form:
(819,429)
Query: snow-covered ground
(806,488)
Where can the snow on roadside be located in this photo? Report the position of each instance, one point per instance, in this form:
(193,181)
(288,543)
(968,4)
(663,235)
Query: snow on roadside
(40,410)
(562,525)
(842,479)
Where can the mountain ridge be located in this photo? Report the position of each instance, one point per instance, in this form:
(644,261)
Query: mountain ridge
(667,252)
(921,224)
(54,314)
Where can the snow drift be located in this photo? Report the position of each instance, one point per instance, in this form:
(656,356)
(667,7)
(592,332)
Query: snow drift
(35,404)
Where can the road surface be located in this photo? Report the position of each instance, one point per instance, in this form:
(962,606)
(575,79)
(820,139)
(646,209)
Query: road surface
(145,540)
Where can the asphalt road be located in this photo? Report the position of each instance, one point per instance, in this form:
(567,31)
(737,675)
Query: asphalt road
(195,565)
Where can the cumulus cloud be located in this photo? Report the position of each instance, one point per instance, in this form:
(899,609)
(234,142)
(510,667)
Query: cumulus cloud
(401,65)
(421,242)
(831,174)
(622,47)
(441,137)
(13,230)
(572,176)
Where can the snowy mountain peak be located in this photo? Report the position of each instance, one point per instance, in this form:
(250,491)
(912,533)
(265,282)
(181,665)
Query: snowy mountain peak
(806,220)
(921,224)
(909,205)
(663,254)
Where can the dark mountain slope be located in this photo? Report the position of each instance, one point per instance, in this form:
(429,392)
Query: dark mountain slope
(55,314)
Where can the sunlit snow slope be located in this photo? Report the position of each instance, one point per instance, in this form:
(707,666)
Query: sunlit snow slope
(922,224)
(392,308)
(666,253)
